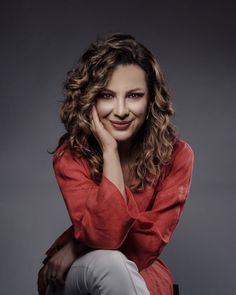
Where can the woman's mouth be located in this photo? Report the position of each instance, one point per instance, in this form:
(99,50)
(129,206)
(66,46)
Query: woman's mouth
(121,125)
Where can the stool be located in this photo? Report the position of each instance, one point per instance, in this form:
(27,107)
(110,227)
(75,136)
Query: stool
(176,289)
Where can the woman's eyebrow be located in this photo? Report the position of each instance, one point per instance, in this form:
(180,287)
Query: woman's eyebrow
(134,89)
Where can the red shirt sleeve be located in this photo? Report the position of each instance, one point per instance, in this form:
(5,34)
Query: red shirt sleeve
(100,216)
(153,229)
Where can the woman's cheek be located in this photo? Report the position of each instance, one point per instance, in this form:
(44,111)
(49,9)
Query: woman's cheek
(139,109)
(103,108)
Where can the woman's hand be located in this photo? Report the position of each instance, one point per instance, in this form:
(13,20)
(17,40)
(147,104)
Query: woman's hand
(54,272)
(40,283)
(104,138)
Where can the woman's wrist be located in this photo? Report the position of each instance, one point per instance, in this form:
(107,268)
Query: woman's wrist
(110,151)
(78,246)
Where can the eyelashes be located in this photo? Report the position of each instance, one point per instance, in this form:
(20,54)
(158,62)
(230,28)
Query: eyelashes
(109,95)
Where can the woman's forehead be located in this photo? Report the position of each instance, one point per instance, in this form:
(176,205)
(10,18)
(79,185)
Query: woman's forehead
(127,76)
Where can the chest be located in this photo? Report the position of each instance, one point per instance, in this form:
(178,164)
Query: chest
(126,175)
(127,180)
(143,198)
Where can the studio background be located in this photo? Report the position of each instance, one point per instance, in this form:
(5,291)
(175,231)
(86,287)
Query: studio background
(194,42)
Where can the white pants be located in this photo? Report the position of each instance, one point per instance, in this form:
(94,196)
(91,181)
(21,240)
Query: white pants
(103,272)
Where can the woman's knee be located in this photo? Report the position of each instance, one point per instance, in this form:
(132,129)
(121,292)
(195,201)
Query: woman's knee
(102,260)
(105,272)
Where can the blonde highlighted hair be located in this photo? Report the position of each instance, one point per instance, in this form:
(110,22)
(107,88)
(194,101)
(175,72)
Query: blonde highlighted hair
(157,136)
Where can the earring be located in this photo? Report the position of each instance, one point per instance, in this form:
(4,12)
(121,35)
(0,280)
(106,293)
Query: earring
(149,111)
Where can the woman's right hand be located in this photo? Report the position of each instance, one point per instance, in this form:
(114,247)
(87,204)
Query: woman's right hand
(54,271)
(103,136)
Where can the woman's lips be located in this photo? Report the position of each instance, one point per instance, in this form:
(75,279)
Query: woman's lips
(121,126)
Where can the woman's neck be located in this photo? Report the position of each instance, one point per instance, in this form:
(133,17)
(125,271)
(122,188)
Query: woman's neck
(127,155)
(124,150)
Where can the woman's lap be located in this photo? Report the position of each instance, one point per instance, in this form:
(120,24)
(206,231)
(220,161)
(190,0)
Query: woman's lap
(103,272)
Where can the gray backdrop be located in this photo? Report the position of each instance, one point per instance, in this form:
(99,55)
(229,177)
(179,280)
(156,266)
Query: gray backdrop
(195,44)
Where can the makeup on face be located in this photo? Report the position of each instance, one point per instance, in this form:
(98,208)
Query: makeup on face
(122,104)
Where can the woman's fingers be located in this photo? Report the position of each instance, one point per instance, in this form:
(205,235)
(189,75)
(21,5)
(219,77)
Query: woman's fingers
(50,274)
(103,136)
(51,271)
(58,265)
(95,116)
(95,124)
(60,278)
(45,279)
(54,274)
(41,284)
(93,129)
(96,121)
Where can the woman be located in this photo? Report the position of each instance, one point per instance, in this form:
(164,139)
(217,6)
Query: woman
(123,173)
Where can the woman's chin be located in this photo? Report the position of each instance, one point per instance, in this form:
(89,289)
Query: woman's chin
(121,137)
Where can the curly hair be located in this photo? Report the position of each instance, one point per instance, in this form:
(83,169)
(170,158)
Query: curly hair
(86,81)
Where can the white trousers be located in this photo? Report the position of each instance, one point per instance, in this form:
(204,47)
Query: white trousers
(103,272)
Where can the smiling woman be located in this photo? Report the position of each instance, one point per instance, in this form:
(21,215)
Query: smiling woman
(123,173)
(123,105)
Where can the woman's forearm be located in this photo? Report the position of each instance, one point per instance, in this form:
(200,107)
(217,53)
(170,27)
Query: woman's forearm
(78,247)
(112,169)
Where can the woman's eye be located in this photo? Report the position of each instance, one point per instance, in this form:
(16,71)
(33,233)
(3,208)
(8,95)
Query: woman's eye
(136,94)
(105,95)
(109,95)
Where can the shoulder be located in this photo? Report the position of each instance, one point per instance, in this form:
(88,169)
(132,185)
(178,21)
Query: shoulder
(65,160)
(180,167)
(182,157)
(182,149)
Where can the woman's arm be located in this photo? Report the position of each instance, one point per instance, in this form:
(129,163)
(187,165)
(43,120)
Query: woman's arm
(154,227)
(100,216)
(102,219)
(58,265)
(112,169)
(111,161)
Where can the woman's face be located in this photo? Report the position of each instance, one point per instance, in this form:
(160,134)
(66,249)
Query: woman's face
(124,99)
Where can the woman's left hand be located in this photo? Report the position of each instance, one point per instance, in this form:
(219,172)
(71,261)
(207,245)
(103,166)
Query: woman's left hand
(53,273)
(104,138)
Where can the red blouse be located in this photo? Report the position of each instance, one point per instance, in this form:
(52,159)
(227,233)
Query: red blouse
(140,228)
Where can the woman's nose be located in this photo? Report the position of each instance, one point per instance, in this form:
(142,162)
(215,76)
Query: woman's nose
(120,108)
